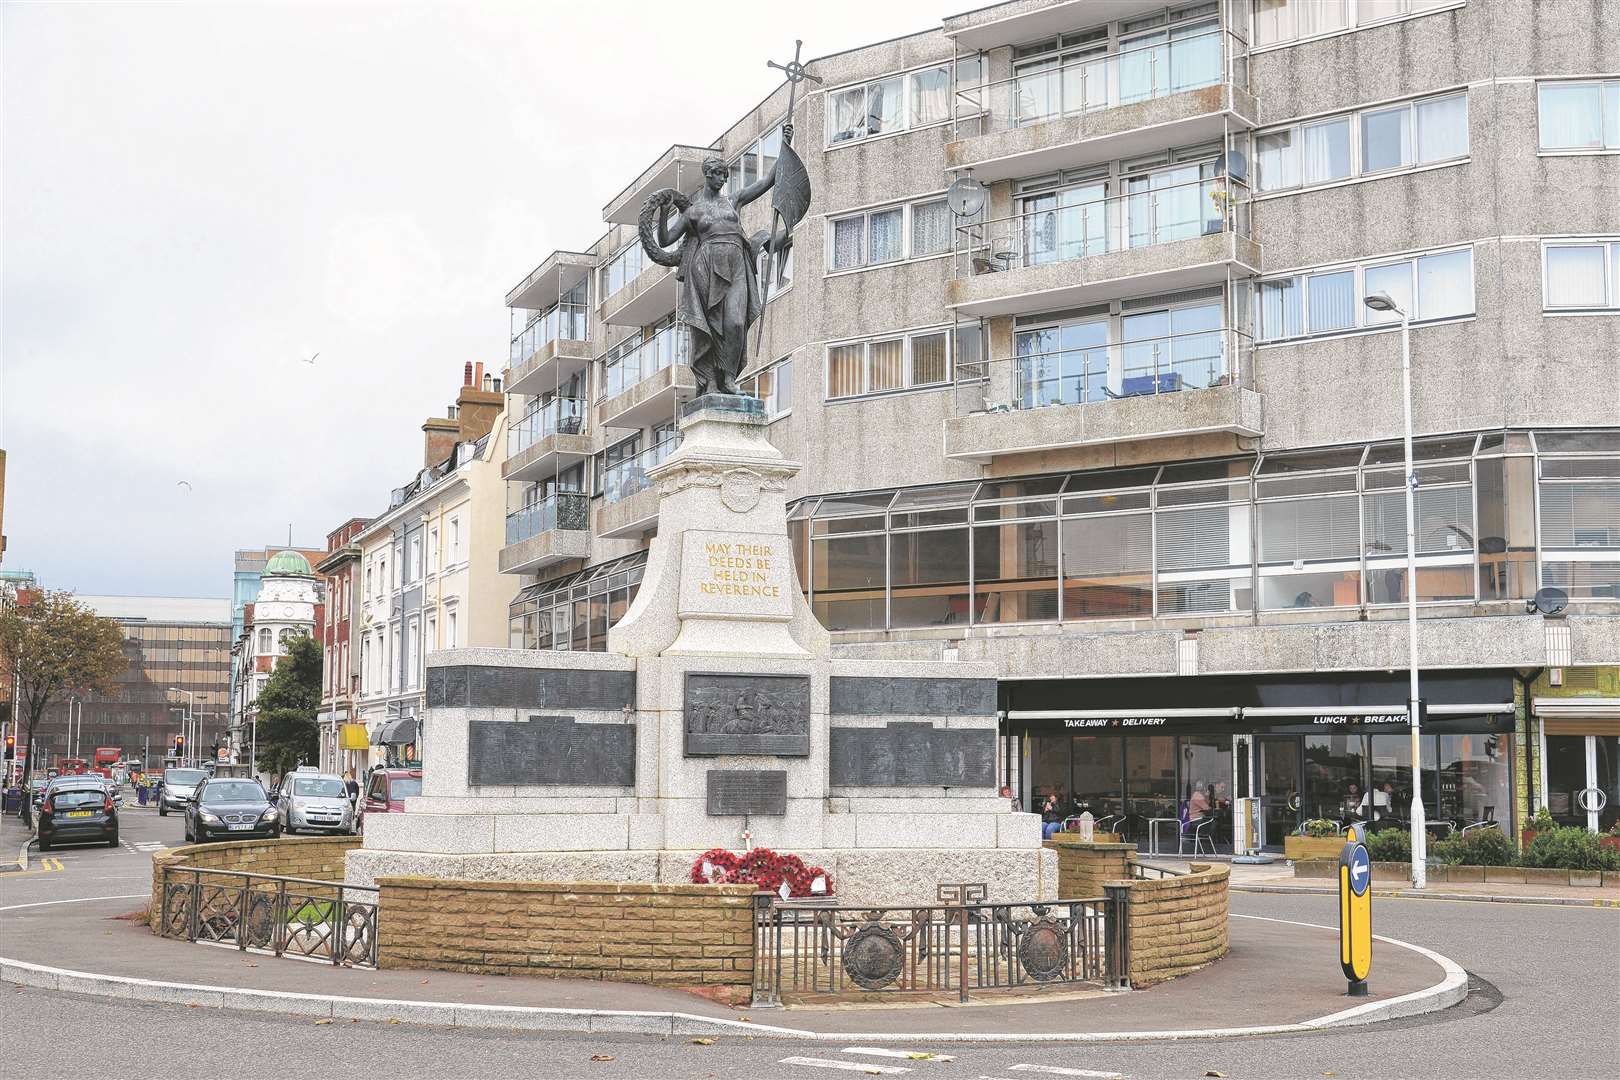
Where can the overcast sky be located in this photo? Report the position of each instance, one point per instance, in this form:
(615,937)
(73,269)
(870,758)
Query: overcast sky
(198,197)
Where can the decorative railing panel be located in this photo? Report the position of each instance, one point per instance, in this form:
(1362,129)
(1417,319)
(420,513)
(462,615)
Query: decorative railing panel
(962,945)
(321,920)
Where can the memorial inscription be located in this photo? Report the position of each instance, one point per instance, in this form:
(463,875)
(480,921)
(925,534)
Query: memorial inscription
(912,755)
(735,573)
(550,750)
(758,792)
(747,714)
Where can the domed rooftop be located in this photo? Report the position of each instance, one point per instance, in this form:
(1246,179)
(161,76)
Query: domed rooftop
(288,564)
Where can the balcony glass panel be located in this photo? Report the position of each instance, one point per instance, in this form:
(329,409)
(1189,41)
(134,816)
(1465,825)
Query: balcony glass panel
(562,510)
(626,478)
(559,415)
(1072,365)
(1149,66)
(630,363)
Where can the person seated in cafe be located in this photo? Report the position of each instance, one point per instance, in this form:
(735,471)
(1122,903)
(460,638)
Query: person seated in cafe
(1197,804)
(1378,801)
(1051,816)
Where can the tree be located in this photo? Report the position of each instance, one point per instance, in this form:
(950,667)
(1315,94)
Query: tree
(55,646)
(289,734)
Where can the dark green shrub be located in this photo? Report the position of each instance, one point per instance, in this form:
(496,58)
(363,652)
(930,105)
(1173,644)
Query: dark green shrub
(1487,847)
(1390,845)
(1570,849)
(1448,851)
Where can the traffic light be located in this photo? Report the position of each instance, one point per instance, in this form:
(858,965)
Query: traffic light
(179,746)
(11,747)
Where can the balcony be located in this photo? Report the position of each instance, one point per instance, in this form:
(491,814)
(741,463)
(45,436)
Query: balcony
(546,440)
(679,167)
(629,497)
(549,351)
(551,280)
(641,386)
(1159,239)
(551,531)
(1167,387)
(1178,91)
(648,297)
(1031,20)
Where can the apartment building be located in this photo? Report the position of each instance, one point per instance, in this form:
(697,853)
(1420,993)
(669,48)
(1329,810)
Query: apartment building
(1124,425)
(344,742)
(426,570)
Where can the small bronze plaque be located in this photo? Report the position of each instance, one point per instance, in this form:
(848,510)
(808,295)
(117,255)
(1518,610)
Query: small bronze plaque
(760,792)
(747,714)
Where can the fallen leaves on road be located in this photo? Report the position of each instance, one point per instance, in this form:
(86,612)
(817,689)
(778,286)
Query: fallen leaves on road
(1214,1072)
(328,1020)
(701,1042)
(601,1057)
(393,1019)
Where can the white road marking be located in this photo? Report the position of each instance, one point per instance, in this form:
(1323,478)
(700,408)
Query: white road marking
(1058,1070)
(846,1066)
(911,1055)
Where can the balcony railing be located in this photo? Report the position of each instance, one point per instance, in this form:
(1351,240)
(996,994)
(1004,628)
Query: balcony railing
(624,479)
(566,322)
(1146,367)
(558,416)
(1105,81)
(561,510)
(668,346)
(1137,219)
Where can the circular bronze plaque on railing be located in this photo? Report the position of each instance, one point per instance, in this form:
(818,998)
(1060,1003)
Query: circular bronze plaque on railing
(1043,950)
(874,957)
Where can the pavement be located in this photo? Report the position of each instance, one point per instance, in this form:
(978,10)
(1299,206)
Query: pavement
(1278,877)
(1526,964)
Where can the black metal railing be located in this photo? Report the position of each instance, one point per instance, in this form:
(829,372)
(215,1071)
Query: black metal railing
(286,916)
(961,945)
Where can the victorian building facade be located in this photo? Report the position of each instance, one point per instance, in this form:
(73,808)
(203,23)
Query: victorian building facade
(1115,416)
(343,742)
(290,605)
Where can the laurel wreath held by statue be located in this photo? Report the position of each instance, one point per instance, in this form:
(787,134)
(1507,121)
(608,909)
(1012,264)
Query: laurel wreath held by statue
(647,224)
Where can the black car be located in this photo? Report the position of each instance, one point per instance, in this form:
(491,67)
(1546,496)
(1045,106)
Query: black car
(229,806)
(77,810)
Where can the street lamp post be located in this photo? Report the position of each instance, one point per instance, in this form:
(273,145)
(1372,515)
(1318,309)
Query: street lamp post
(72,736)
(190,747)
(1420,854)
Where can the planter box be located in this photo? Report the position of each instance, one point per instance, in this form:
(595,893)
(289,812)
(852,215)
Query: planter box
(1392,871)
(1506,875)
(1317,868)
(1545,875)
(1299,848)
(1611,879)
(1586,879)
(1465,873)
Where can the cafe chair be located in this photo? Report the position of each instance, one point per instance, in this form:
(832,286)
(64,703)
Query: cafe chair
(1106,823)
(1488,823)
(1198,829)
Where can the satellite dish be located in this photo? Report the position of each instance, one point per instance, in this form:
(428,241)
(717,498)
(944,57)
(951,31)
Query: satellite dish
(1549,601)
(965,196)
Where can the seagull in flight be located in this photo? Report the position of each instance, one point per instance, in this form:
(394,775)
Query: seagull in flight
(183,483)
(311,360)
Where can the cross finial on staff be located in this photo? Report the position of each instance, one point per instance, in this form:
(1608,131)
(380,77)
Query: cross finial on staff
(793,69)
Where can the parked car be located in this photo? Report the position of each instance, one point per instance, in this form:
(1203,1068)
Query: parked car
(313,801)
(386,792)
(77,808)
(238,808)
(176,788)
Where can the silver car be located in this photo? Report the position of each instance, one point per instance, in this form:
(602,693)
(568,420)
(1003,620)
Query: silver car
(312,801)
(176,789)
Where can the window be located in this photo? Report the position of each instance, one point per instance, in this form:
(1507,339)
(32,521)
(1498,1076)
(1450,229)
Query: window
(411,653)
(1579,115)
(1423,132)
(901,362)
(451,641)
(782,269)
(773,386)
(455,540)
(368,581)
(623,268)
(1277,22)
(266,645)
(1428,287)
(431,642)
(1582,276)
(896,103)
(565,320)
(884,235)
(756,161)
(413,569)
(433,549)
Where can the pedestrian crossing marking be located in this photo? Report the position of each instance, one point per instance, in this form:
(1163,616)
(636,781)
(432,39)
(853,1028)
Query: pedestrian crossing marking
(1058,1070)
(909,1055)
(846,1066)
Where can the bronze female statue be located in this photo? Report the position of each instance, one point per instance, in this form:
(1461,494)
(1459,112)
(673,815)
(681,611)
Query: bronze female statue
(718,265)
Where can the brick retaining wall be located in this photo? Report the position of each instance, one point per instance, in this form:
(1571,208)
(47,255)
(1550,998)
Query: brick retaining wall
(667,935)
(1178,923)
(319,858)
